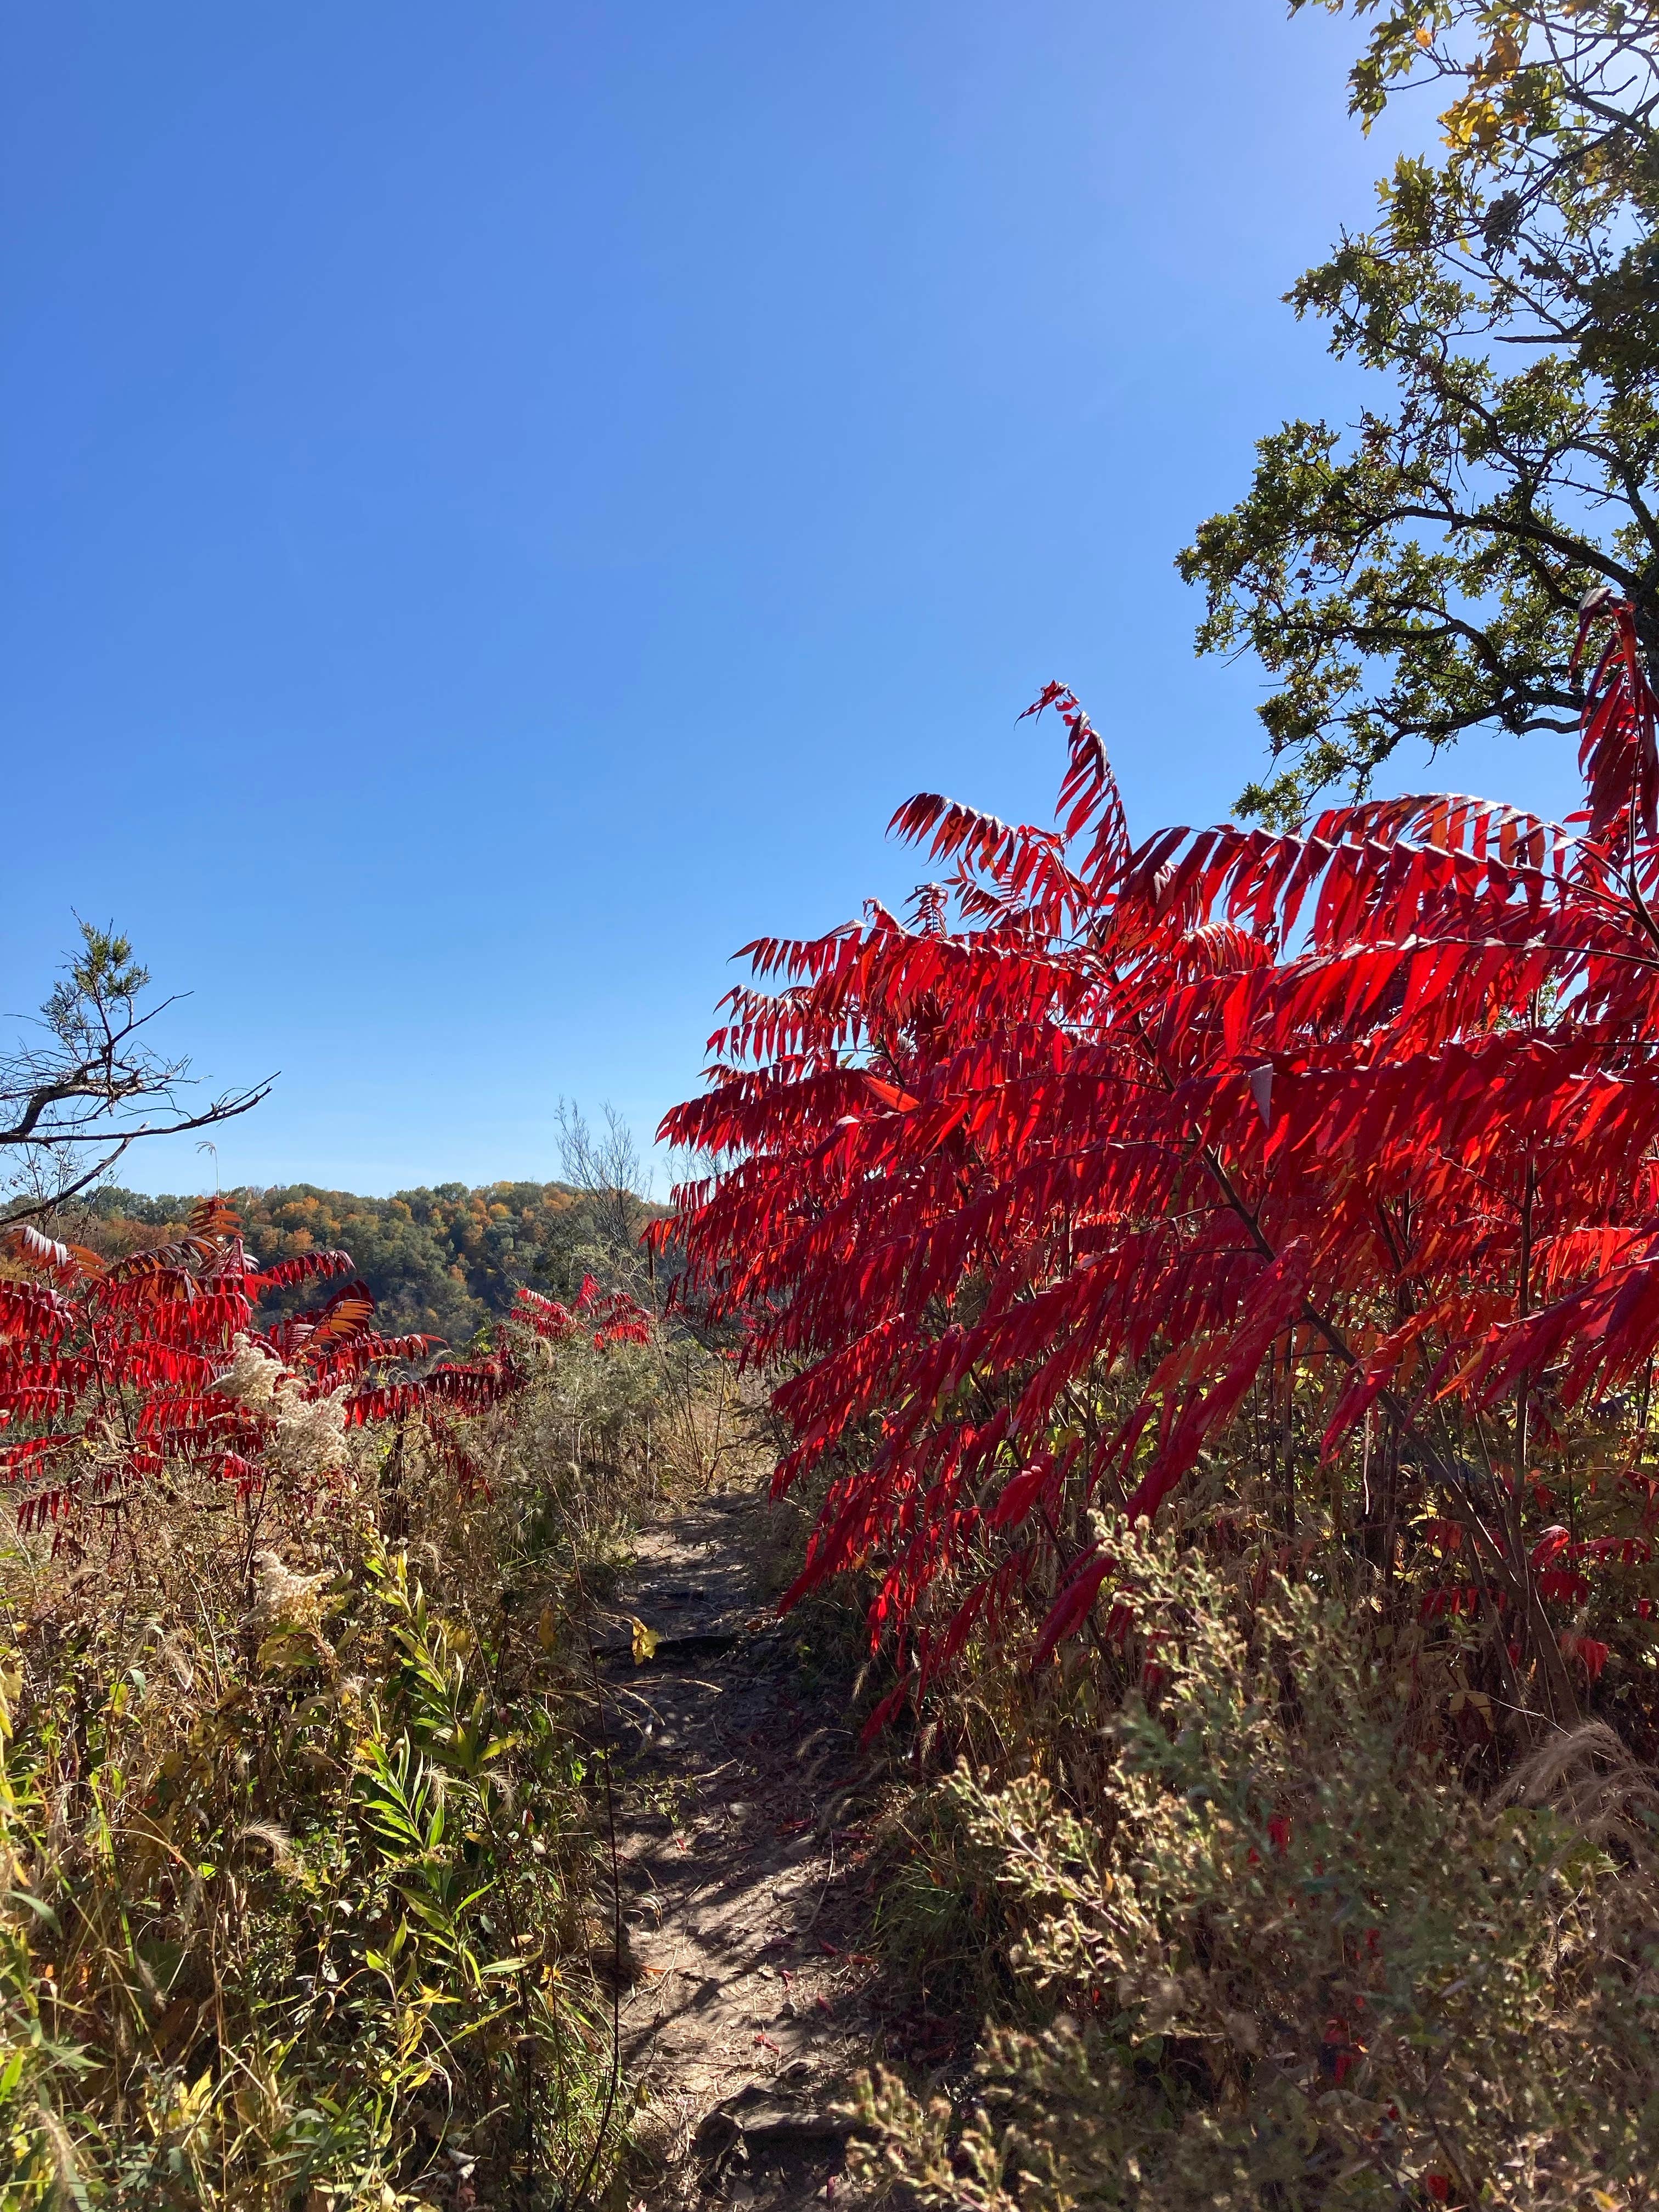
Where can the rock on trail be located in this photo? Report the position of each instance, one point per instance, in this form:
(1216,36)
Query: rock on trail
(743,2007)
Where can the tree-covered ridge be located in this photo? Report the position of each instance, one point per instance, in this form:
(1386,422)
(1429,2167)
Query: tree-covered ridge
(444,1260)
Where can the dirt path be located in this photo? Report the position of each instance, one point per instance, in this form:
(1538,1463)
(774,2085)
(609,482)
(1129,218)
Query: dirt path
(746,2006)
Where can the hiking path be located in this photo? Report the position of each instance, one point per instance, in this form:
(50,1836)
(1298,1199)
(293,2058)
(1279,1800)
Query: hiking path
(745,2002)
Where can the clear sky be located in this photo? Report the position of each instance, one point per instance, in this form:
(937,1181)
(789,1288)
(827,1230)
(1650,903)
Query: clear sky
(501,502)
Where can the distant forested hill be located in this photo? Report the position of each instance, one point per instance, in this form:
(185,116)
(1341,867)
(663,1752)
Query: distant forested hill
(445,1260)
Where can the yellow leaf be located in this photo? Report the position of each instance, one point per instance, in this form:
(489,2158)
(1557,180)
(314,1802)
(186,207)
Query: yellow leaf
(546,1629)
(290,1651)
(645,1641)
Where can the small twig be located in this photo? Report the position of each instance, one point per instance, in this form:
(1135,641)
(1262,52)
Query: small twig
(824,1891)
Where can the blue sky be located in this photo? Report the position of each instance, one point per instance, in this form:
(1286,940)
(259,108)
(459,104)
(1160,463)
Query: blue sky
(503,501)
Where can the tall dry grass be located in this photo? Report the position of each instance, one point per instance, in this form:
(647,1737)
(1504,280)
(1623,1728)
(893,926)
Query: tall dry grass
(1248,1926)
(303,1820)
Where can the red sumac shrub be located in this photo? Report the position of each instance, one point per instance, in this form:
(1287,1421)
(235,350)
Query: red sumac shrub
(1030,1194)
(111,1372)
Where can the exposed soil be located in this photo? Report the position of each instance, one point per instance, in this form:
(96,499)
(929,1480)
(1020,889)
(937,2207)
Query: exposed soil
(747,2002)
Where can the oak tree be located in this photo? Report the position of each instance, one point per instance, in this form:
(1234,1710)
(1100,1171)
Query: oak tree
(1418,574)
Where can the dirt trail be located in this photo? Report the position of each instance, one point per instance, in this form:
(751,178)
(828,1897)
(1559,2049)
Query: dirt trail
(746,2006)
